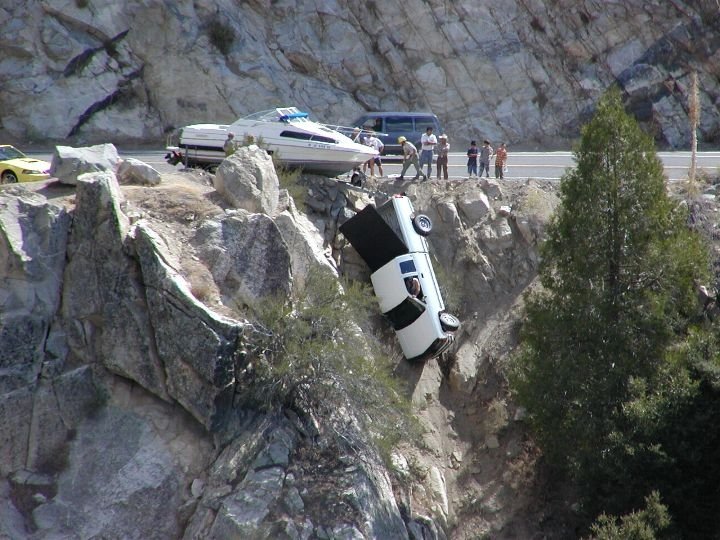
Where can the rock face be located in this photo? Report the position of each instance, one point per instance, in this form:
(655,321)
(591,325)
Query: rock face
(247,256)
(247,179)
(119,396)
(521,71)
(30,278)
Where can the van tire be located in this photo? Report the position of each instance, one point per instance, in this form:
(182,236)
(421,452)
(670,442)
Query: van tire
(422,224)
(448,322)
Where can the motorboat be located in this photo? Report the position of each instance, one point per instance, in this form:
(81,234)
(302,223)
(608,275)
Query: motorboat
(285,132)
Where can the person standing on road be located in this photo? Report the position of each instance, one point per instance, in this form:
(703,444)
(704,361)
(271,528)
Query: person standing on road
(472,161)
(428,142)
(410,157)
(485,152)
(443,148)
(373,142)
(230,145)
(500,160)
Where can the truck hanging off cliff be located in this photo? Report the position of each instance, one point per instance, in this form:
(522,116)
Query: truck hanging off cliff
(391,240)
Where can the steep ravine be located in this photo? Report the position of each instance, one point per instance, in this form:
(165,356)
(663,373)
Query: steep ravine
(119,324)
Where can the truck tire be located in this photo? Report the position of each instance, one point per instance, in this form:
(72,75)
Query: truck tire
(448,322)
(422,224)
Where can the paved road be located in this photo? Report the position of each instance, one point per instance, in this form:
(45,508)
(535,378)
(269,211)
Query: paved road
(546,165)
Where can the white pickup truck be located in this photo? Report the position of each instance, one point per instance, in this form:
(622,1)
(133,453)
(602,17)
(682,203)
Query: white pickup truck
(391,240)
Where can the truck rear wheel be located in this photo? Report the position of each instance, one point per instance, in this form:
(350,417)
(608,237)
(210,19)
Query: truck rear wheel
(422,224)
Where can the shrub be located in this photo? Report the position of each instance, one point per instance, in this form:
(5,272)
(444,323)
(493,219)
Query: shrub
(645,524)
(222,36)
(288,179)
(312,355)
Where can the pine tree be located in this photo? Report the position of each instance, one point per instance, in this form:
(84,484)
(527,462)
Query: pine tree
(618,274)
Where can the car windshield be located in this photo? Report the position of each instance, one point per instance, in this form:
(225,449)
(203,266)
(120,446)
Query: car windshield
(9,152)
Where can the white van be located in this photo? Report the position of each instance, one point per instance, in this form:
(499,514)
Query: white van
(391,240)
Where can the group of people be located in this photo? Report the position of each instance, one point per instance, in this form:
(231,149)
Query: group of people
(480,157)
(440,146)
(431,146)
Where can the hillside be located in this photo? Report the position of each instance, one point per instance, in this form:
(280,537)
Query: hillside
(123,390)
(128,325)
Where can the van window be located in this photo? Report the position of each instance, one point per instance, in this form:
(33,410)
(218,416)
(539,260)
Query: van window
(370,122)
(399,124)
(423,122)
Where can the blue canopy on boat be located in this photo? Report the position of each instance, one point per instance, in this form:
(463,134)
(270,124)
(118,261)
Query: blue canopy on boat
(290,116)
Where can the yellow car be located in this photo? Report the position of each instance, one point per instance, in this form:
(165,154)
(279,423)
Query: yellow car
(17,167)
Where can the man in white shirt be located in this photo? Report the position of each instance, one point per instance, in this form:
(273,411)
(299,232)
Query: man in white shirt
(373,142)
(428,142)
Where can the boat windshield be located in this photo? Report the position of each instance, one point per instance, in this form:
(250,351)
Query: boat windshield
(281,114)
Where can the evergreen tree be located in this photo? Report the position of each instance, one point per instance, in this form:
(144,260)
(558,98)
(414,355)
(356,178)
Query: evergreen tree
(618,270)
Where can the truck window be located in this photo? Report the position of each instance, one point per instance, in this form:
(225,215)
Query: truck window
(406,267)
(405,313)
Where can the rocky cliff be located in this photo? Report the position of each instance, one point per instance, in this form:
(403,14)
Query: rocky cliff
(524,71)
(125,319)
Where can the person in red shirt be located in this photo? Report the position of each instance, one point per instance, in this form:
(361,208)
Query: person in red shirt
(500,160)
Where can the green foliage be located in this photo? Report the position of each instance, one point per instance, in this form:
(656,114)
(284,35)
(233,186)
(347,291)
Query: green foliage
(618,271)
(670,442)
(312,354)
(288,179)
(222,36)
(645,524)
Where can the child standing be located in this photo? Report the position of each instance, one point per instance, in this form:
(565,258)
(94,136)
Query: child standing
(485,152)
(472,155)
